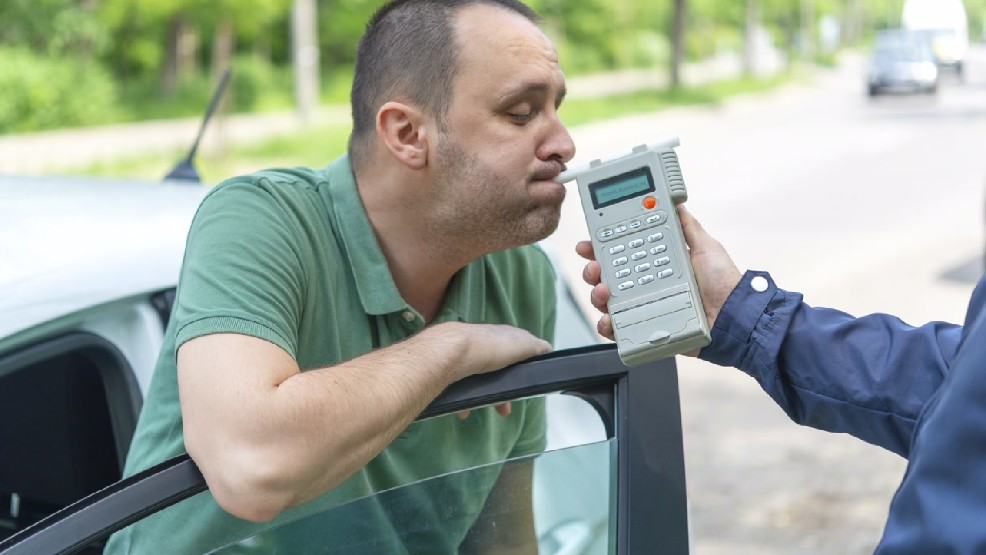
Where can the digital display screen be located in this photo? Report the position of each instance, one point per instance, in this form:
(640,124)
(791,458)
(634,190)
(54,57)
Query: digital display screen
(616,189)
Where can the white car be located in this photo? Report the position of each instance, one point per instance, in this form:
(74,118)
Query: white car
(88,269)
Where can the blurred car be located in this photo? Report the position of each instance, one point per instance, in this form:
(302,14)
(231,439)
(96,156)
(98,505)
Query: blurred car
(87,282)
(902,62)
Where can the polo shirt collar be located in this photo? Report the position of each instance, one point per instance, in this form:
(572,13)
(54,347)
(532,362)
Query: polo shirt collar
(374,282)
(376,287)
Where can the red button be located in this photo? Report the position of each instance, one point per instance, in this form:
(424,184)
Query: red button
(650,202)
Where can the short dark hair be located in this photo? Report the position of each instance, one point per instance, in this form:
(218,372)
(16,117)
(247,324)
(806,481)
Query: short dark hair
(409,49)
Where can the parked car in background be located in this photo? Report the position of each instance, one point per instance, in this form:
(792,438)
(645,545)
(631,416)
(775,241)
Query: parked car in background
(902,62)
(87,282)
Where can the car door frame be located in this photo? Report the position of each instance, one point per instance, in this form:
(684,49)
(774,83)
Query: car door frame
(639,407)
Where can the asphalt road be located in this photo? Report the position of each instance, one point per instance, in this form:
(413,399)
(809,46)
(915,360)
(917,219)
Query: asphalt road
(863,205)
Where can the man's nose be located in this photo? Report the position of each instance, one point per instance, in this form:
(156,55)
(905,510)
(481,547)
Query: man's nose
(558,143)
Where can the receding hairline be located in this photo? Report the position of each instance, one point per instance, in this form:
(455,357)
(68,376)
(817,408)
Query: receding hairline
(505,42)
(457,24)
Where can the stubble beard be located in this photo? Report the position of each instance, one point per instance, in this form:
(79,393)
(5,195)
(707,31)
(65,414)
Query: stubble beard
(482,212)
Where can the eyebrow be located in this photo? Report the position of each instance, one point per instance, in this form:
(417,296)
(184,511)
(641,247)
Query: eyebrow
(528,88)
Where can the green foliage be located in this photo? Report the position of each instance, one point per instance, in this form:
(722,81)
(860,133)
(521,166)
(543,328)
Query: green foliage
(47,93)
(256,84)
(136,41)
(340,25)
(53,27)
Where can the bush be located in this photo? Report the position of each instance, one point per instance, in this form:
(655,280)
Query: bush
(256,84)
(48,93)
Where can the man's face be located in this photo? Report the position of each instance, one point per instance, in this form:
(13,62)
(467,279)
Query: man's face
(502,143)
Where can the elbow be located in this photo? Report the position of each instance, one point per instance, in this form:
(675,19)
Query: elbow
(253,506)
(245,484)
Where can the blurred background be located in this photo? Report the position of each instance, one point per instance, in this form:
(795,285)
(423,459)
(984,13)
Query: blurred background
(80,63)
(836,143)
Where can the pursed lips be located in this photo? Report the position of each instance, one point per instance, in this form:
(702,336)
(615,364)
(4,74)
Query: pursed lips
(548,172)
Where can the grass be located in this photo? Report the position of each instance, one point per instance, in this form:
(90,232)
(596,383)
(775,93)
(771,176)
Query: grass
(317,146)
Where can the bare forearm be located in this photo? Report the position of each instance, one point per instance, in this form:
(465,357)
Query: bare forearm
(268,437)
(352,411)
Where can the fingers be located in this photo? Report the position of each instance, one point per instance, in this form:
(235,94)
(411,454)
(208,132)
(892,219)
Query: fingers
(695,234)
(592,273)
(584,249)
(503,409)
(599,297)
(490,347)
(605,327)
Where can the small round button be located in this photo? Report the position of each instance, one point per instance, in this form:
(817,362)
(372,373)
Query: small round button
(650,202)
(759,284)
(409,316)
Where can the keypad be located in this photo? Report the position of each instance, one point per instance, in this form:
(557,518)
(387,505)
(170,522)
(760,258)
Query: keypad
(614,231)
(640,262)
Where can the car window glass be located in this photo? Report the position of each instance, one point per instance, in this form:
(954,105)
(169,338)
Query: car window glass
(568,483)
(571,513)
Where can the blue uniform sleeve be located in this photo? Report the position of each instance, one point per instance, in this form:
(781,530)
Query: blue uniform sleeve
(869,376)
(939,507)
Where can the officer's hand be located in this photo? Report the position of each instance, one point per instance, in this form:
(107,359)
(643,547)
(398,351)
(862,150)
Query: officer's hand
(715,272)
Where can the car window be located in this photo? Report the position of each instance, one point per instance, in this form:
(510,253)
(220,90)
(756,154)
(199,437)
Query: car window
(557,500)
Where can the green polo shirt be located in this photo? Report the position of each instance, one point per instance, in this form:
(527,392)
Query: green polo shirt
(289,256)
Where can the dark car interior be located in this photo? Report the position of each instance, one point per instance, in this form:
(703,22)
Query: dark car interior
(68,407)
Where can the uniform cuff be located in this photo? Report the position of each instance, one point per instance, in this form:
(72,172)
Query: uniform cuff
(736,322)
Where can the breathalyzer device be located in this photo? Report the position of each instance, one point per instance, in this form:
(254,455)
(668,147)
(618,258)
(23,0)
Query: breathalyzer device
(629,206)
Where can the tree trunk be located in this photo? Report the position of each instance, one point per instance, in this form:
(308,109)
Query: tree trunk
(750,30)
(222,48)
(677,42)
(180,56)
(808,29)
(304,49)
(169,74)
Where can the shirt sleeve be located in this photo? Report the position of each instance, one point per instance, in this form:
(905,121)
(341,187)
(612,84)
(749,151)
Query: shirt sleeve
(939,506)
(869,376)
(242,271)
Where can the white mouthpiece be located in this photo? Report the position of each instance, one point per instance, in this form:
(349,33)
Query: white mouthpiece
(572,173)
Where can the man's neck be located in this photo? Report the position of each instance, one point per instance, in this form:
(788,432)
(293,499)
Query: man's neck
(421,266)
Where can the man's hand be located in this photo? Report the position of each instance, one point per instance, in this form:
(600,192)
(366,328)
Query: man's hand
(715,272)
(486,347)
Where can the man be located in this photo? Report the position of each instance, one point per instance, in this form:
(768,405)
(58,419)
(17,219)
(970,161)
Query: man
(319,312)
(917,391)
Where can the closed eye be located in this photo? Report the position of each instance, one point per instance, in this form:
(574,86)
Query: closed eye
(522,116)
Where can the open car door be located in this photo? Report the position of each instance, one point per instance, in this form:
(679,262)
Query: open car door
(611,479)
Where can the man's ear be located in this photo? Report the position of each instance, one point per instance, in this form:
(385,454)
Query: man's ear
(402,130)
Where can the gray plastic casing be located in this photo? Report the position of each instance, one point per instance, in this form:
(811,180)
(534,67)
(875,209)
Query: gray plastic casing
(655,304)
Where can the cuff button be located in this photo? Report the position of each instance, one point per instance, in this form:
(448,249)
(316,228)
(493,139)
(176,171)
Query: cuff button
(759,284)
